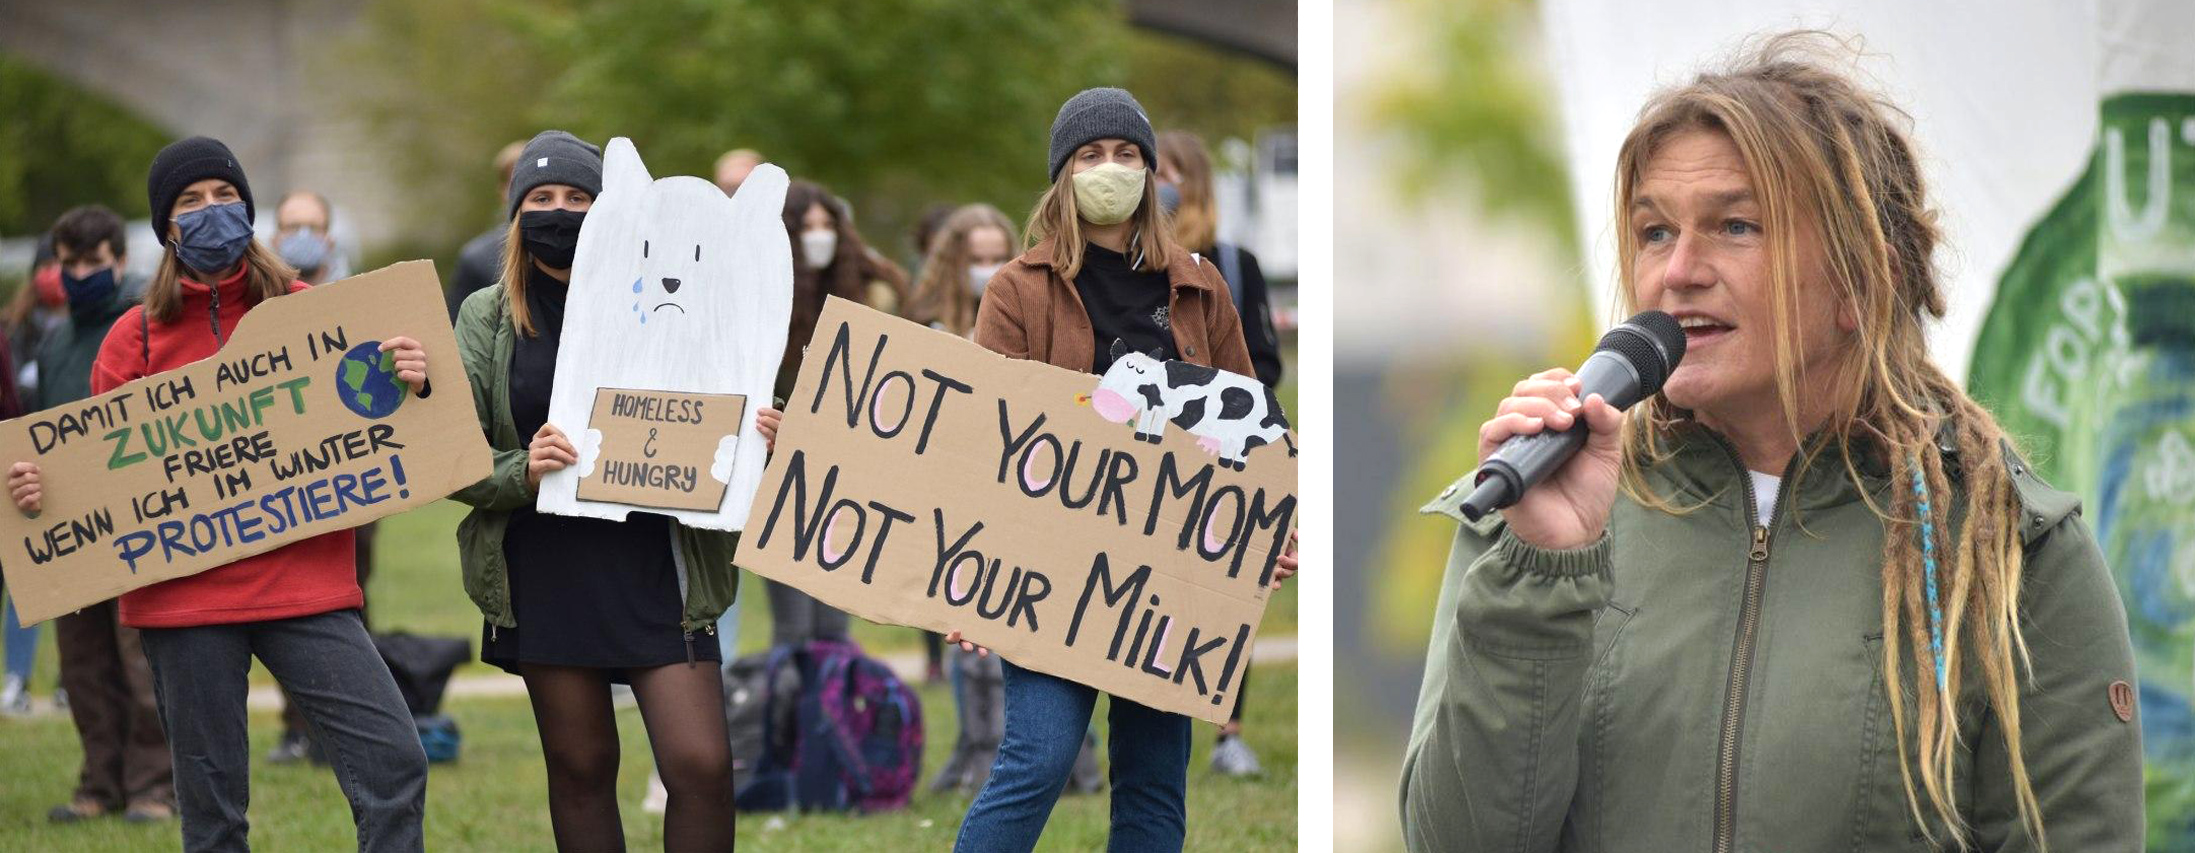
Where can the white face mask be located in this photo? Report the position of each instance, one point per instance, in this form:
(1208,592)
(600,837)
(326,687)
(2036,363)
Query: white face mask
(980,275)
(818,247)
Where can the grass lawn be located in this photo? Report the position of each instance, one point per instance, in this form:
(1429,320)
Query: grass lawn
(495,798)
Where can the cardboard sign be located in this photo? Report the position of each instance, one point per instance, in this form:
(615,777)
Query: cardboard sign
(679,290)
(1117,532)
(297,427)
(657,447)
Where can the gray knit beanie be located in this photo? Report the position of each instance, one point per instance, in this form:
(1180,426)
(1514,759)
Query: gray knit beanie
(1095,114)
(555,157)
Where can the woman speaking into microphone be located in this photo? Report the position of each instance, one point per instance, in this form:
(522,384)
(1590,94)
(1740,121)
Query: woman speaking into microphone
(1807,597)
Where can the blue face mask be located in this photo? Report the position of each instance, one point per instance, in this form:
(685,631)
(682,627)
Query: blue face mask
(303,249)
(1169,197)
(91,291)
(211,238)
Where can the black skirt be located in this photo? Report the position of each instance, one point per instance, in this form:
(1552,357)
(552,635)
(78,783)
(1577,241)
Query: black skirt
(593,593)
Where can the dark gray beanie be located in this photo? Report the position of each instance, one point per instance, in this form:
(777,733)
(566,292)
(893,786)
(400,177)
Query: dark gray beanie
(555,157)
(1095,114)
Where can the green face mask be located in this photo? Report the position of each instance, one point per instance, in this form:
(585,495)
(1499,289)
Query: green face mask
(1107,194)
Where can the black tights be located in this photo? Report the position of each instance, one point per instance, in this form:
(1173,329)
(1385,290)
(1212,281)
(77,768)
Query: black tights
(683,708)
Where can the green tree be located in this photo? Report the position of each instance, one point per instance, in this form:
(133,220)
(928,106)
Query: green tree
(62,146)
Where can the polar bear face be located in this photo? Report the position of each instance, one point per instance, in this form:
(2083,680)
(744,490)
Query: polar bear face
(674,287)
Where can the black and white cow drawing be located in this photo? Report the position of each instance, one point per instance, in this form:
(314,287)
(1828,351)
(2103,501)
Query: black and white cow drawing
(1230,414)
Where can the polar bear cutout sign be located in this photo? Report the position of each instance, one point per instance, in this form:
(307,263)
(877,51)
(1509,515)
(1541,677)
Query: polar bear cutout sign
(675,290)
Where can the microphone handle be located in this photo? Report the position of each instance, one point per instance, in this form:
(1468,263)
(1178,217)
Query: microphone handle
(1524,460)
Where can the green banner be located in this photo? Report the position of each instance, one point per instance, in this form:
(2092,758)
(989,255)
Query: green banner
(2088,357)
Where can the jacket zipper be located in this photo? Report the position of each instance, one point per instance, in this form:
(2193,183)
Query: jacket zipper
(1741,659)
(213,314)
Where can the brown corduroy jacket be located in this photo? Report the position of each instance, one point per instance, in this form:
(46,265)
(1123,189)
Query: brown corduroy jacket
(1030,311)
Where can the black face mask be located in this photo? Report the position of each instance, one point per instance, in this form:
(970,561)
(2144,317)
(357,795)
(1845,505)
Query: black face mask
(551,236)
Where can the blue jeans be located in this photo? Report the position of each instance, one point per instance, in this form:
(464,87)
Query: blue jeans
(22,645)
(352,708)
(1046,718)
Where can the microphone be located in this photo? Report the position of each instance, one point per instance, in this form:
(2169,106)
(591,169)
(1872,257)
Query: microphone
(1628,365)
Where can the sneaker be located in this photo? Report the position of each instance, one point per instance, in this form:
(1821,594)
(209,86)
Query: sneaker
(14,698)
(149,812)
(658,797)
(75,811)
(292,748)
(1232,757)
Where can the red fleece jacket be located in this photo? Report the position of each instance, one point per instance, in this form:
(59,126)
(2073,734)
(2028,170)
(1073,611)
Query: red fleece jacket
(303,578)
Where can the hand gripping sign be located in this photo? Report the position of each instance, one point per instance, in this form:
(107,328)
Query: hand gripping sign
(1117,531)
(297,427)
(673,328)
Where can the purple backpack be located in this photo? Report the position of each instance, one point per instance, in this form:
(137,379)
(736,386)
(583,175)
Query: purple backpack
(856,741)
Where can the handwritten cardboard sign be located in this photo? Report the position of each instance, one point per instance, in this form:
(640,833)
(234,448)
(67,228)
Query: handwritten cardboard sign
(678,289)
(1117,532)
(297,427)
(657,447)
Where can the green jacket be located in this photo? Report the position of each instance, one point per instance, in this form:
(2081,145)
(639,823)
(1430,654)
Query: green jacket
(1607,698)
(66,355)
(706,575)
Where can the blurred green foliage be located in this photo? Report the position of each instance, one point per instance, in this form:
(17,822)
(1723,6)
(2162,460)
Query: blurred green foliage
(61,146)
(1473,108)
(894,104)
(1480,116)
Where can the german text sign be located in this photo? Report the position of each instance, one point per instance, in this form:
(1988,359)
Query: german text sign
(297,427)
(1117,532)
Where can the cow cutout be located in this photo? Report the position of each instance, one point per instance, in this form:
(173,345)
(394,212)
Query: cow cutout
(1230,414)
(675,287)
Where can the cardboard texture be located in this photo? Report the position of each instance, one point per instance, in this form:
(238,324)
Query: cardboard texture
(657,447)
(675,288)
(922,480)
(297,427)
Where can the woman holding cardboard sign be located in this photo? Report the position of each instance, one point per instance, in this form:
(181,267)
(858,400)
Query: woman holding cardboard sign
(1101,277)
(295,608)
(574,605)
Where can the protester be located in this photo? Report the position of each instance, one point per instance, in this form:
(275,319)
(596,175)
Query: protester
(1101,276)
(1185,191)
(35,312)
(125,754)
(481,260)
(573,605)
(972,244)
(295,607)
(733,166)
(28,319)
(925,230)
(302,221)
(1807,596)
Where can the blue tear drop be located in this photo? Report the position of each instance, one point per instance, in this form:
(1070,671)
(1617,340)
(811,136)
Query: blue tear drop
(636,285)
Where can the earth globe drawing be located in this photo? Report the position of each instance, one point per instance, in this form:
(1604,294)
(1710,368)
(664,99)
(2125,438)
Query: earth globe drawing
(366,381)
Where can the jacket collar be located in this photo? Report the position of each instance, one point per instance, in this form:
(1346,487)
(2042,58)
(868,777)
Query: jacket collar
(1181,264)
(231,286)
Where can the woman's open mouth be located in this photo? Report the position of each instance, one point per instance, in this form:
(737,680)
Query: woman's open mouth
(1699,331)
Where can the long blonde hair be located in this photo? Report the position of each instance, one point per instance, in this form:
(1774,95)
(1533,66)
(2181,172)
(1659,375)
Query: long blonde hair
(516,262)
(1830,157)
(1055,216)
(1196,219)
(265,277)
(942,295)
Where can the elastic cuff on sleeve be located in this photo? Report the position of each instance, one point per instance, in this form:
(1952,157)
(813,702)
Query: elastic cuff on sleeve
(1552,562)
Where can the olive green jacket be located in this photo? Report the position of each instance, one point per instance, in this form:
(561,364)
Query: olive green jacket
(484,340)
(1697,682)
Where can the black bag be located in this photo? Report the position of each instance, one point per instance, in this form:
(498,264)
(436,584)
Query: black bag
(748,685)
